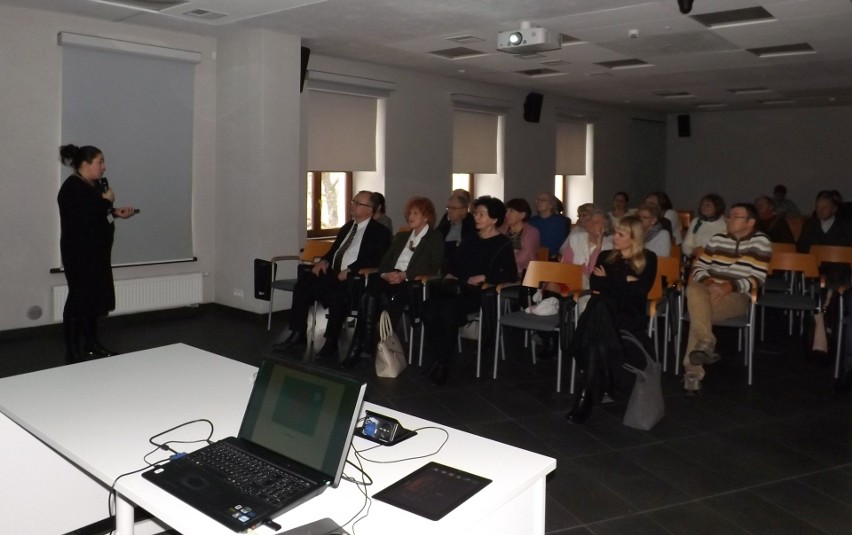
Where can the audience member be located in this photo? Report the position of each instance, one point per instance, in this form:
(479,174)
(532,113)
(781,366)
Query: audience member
(360,243)
(784,207)
(380,214)
(770,223)
(524,237)
(825,228)
(560,209)
(620,283)
(456,225)
(418,251)
(584,245)
(668,216)
(620,208)
(550,225)
(488,257)
(657,238)
(722,278)
(710,221)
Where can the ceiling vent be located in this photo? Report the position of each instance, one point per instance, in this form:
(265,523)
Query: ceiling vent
(203,14)
(734,17)
(154,6)
(539,73)
(465,39)
(624,64)
(458,52)
(795,49)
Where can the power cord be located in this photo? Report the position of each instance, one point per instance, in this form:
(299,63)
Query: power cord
(358,453)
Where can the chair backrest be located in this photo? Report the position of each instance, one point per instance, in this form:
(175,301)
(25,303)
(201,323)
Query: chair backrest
(783,247)
(804,263)
(315,249)
(668,267)
(832,253)
(685,217)
(796,224)
(676,251)
(543,254)
(571,275)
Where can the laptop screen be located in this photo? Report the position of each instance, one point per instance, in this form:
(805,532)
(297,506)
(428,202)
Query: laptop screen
(304,413)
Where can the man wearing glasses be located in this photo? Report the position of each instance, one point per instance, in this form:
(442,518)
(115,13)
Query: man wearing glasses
(722,279)
(361,243)
(456,225)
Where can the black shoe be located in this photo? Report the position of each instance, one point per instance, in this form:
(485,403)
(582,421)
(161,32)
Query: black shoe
(293,341)
(582,408)
(98,351)
(329,351)
(429,371)
(440,374)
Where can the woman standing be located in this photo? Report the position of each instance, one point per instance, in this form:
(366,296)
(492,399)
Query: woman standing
(86,215)
(488,258)
(525,238)
(413,253)
(620,284)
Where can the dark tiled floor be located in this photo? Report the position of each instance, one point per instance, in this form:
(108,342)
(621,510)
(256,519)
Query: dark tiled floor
(775,457)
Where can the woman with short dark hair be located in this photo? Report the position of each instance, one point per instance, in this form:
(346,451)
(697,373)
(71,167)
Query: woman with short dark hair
(525,238)
(709,222)
(487,258)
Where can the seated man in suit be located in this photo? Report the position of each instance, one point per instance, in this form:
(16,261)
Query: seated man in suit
(361,243)
(826,228)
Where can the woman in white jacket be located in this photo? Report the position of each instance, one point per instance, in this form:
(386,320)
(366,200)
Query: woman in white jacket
(710,221)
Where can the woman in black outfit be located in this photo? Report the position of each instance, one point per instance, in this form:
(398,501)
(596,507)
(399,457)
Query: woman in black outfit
(86,212)
(620,283)
(488,258)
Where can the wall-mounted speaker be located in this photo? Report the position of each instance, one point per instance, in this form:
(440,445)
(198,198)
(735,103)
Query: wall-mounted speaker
(532,107)
(306,55)
(684,127)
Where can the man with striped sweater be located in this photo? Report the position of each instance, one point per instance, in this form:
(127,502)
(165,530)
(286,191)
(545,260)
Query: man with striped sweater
(731,265)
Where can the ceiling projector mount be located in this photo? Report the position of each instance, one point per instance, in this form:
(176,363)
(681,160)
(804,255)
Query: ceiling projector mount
(528,39)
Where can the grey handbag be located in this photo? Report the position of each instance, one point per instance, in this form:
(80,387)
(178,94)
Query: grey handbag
(646,406)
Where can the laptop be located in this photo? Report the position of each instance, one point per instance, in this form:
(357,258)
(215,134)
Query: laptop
(299,420)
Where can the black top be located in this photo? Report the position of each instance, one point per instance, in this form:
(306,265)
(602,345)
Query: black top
(374,243)
(627,300)
(86,247)
(840,233)
(492,257)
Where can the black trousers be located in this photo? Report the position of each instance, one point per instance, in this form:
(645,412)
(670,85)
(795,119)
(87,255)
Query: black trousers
(328,290)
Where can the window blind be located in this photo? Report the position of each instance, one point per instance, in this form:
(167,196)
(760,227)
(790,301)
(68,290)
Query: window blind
(474,142)
(571,148)
(341,132)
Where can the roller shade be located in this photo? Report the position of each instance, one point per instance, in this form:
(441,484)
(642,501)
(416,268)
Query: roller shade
(474,142)
(341,132)
(571,148)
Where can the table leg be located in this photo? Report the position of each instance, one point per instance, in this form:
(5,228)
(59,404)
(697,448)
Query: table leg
(124,516)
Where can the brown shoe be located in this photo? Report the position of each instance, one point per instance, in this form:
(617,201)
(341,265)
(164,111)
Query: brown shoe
(691,384)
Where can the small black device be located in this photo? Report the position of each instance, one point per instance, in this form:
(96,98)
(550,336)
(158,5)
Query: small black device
(136,210)
(103,184)
(383,429)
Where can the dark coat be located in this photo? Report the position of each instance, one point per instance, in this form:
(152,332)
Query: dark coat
(86,247)
(374,243)
(426,259)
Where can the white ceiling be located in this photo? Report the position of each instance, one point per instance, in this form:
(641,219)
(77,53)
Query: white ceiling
(697,67)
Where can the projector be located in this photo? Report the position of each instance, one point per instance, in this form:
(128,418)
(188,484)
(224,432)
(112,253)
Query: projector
(527,40)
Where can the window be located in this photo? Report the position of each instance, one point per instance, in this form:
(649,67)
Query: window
(328,202)
(466,182)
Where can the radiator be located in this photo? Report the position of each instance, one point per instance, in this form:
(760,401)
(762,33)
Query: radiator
(139,295)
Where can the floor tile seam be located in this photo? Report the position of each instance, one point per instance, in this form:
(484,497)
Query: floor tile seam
(822,491)
(793,449)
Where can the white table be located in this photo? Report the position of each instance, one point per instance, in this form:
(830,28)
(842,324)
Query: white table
(99,415)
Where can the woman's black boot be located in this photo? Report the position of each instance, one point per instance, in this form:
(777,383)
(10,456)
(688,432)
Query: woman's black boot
(363,338)
(73,340)
(585,399)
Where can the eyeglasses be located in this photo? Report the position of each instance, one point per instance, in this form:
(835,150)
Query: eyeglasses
(738,217)
(356,203)
(455,208)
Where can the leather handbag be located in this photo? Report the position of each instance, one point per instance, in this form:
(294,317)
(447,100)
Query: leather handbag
(390,357)
(646,406)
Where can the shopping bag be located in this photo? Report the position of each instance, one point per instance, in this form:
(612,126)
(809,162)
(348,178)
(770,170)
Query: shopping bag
(646,406)
(390,357)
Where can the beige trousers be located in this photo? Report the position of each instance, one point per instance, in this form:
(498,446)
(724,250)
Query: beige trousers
(703,311)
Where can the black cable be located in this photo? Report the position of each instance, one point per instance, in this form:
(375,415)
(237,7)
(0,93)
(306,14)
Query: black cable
(446,439)
(165,445)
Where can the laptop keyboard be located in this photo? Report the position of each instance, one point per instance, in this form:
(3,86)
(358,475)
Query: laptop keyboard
(251,475)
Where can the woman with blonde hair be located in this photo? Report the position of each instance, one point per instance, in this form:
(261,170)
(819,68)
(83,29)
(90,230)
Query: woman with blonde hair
(620,283)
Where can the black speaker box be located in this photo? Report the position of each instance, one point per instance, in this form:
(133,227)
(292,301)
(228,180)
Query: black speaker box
(306,55)
(532,107)
(684,128)
(262,278)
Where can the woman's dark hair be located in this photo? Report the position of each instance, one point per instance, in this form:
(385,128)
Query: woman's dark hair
(520,205)
(378,202)
(74,156)
(718,204)
(496,208)
(665,202)
(623,194)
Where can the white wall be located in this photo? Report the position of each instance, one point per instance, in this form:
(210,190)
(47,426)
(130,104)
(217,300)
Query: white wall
(30,100)
(248,157)
(742,154)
